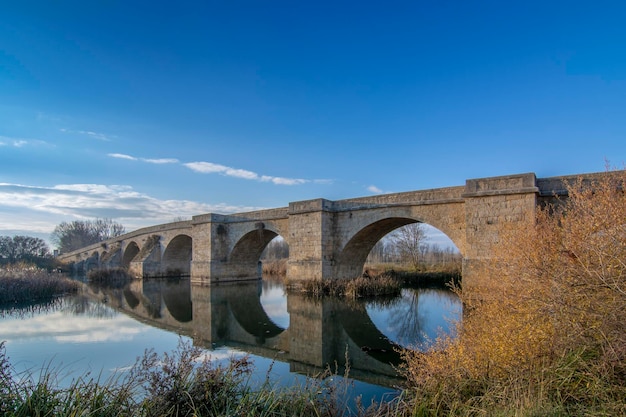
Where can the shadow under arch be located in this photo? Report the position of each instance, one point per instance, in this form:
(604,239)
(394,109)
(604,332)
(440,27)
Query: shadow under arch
(243,300)
(360,328)
(130,297)
(129,254)
(353,256)
(177,299)
(176,258)
(249,248)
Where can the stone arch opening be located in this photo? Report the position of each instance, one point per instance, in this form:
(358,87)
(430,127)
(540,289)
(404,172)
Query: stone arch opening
(352,258)
(354,255)
(176,260)
(129,254)
(246,254)
(272,287)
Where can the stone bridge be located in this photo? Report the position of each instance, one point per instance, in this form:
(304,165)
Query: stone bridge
(327,239)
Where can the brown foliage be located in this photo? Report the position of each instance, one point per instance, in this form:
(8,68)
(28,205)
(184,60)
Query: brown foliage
(546,324)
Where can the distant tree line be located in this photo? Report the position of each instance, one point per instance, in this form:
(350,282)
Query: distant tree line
(69,236)
(24,249)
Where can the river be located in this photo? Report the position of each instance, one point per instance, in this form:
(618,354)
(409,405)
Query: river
(288,336)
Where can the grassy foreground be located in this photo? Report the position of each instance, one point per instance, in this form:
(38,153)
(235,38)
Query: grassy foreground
(181,383)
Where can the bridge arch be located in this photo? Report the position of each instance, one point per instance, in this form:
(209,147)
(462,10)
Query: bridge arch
(352,256)
(177,256)
(247,250)
(131,250)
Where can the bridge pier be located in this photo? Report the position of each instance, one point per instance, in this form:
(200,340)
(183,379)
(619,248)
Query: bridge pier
(310,240)
(491,206)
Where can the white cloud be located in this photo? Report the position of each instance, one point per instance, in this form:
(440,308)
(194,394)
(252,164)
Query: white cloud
(91,134)
(374,189)
(203,167)
(287,181)
(158,161)
(161,160)
(19,142)
(211,168)
(35,209)
(206,167)
(122,156)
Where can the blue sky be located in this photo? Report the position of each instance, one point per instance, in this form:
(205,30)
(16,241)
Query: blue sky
(145,112)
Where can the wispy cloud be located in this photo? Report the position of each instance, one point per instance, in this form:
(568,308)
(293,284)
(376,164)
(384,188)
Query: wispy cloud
(122,156)
(374,189)
(48,206)
(19,142)
(158,161)
(211,168)
(90,134)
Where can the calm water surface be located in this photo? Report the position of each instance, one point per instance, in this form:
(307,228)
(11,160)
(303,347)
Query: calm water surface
(105,329)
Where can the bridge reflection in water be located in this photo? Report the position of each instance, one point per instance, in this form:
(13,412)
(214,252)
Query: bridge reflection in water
(319,332)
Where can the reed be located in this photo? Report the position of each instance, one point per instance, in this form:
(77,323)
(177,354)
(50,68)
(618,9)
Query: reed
(276,267)
(24,283)
(364,286)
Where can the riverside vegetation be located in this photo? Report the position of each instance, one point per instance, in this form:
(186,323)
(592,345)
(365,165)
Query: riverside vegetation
(542,335)
(22,283)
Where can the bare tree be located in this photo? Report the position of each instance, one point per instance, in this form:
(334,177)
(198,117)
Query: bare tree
(77,234)
(276,249)
(408,241)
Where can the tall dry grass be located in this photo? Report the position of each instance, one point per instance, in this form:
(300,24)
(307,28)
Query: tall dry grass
(24,283)
(545,334)
(380,285)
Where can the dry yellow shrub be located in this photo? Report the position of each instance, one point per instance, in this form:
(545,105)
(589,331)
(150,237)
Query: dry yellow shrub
(556,287)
